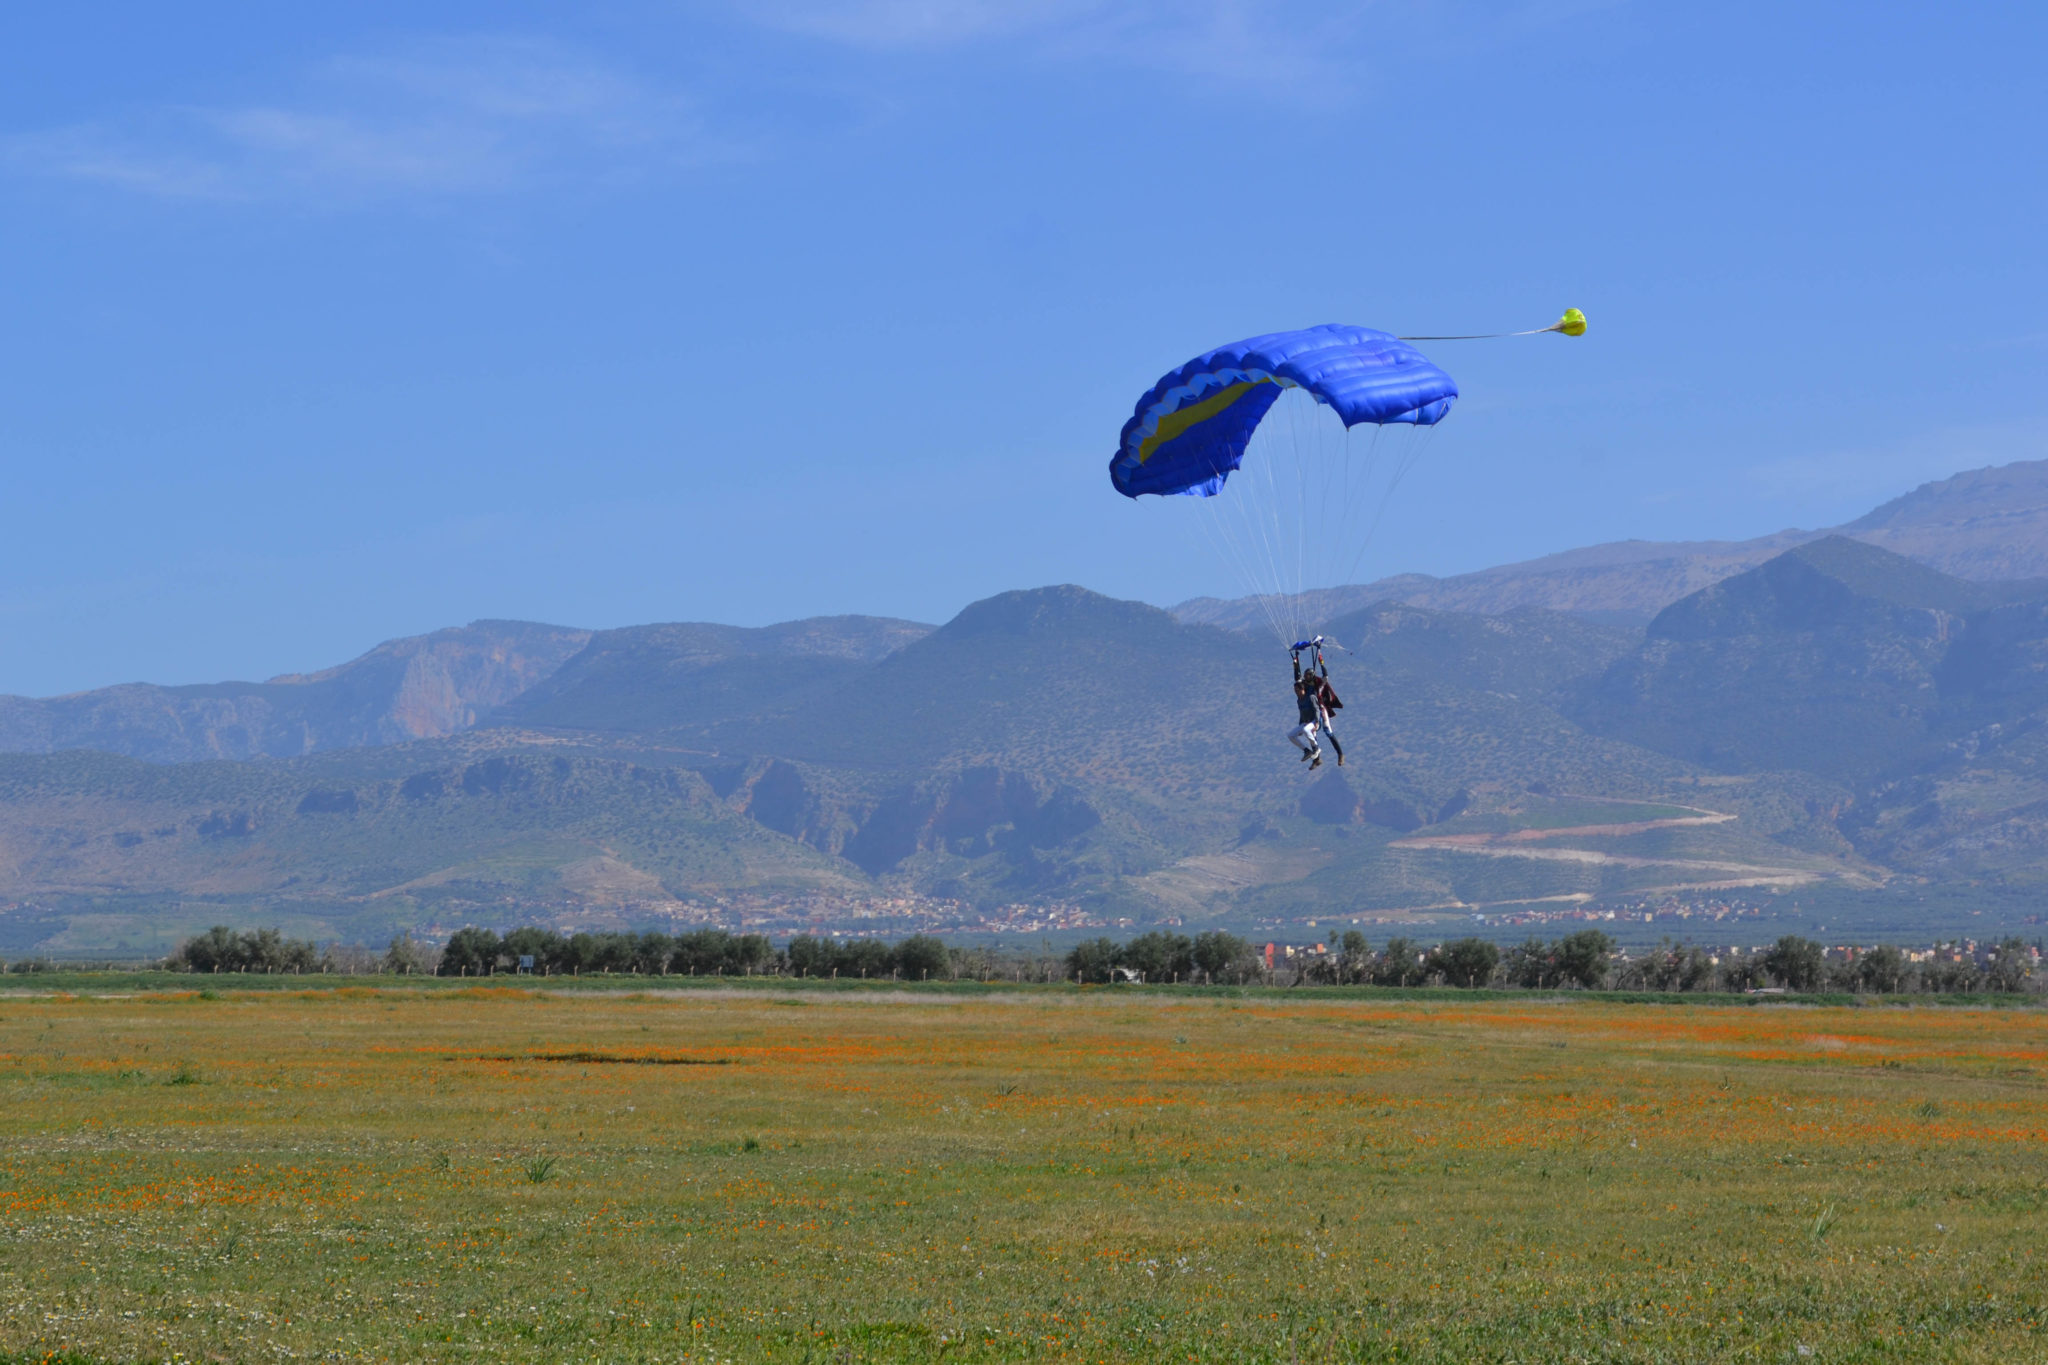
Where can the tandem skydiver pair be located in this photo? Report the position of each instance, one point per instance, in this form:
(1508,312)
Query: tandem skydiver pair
(1315,700)
(1305,503)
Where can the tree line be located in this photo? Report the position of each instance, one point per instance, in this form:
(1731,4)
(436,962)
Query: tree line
(702,952)
(544,952)
(1581,960)
(1586,960)
(222,949)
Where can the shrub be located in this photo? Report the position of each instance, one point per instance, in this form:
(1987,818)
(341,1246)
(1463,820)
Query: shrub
(471,952)
(1092,960)
(1469,962)
(221,949)
(1796,963)
(1159,957)
(920,958)
(1223,957)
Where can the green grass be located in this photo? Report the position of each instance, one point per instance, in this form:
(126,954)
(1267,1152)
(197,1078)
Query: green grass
(1055,1174)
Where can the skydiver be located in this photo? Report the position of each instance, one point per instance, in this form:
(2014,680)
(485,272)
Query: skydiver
(1326,697)
(1309,703)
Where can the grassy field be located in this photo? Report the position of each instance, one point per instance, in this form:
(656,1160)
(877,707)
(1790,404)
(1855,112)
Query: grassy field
(831,1176)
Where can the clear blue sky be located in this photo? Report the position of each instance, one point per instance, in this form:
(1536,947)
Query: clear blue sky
(325,324)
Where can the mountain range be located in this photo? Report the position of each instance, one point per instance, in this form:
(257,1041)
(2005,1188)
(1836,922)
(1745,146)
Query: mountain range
(1834,724)
(422,687)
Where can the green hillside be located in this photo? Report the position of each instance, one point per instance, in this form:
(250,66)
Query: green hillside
(446,831)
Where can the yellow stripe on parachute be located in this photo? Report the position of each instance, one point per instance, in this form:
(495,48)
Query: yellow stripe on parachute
(1174,423)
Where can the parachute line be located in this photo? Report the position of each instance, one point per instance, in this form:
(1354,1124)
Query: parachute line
(1304,507)
(1292,445)
(1572,324)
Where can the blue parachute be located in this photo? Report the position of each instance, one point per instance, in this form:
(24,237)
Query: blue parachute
(1190,429)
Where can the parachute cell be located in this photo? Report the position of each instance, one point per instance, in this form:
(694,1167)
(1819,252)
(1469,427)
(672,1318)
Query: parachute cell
(1190,430)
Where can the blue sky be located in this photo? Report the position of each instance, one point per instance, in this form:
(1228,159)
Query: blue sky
(325,325)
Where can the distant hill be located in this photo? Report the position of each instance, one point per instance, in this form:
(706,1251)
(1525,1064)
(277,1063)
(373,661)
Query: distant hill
(1987,524)
(655,677)
(1050,743)
(1063,689)
(431,686)
(364,841)
(1924,696)
(420,687)
(1838,658)
(1527,651)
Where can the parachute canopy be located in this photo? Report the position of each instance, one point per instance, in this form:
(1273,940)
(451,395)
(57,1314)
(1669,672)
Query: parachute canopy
(1190,429)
